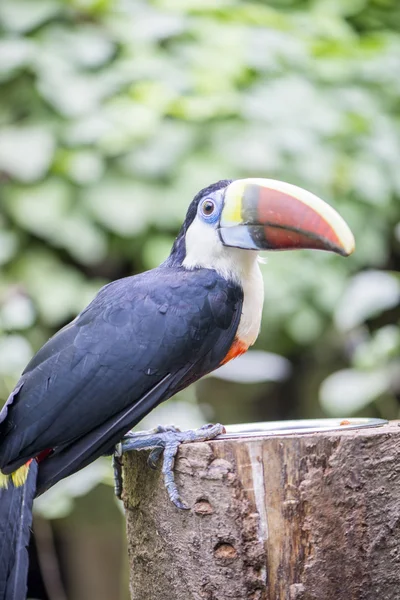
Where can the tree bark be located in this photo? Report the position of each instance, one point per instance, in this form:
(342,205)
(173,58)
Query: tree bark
(294,517)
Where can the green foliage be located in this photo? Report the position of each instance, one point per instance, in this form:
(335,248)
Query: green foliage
(114,113)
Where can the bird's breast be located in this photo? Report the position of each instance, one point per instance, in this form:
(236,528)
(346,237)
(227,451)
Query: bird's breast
(250,320)
(253,300)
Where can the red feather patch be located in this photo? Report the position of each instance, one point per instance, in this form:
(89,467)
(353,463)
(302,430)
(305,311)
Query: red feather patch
(235,350)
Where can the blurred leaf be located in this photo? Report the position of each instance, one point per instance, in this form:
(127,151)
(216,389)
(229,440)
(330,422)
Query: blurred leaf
(41,207)
(16,312)
(8,246)
(85,45)
(371,183)
(397,231)
(15,53)
(348,391)
(58,291)
(82,166)
(156,250)
(379,349)
(146,23)
(58,502)
(26,152)
(367,295)
(305,326)
(24,15)
(69,92)
(161,153)
(255,366)
(179,411)
(15,352)
(92,246)
(119,205)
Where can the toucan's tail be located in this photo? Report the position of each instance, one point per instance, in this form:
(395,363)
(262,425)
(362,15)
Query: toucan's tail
(15,524)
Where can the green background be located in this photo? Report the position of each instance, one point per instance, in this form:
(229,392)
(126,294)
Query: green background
(113,115)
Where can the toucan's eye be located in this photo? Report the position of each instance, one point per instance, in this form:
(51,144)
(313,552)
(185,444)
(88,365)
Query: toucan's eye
(208,207)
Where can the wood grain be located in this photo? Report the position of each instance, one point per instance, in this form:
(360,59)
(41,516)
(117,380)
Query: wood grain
(294,517)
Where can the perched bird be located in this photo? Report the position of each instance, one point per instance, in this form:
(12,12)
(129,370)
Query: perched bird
(144,338)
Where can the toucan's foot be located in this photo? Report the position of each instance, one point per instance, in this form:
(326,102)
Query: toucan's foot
(117,468)
(161,441)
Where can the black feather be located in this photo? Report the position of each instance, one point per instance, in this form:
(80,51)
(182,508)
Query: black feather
(86,387)
(15,527)
(68,459)
(140,341)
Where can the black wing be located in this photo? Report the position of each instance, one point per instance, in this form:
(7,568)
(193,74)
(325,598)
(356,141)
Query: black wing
(142,339)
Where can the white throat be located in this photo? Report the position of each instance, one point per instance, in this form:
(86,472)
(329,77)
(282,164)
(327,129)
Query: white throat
(205,249)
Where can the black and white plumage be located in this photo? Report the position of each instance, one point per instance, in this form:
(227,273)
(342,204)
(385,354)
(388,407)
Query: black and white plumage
(140,341)
(144,338)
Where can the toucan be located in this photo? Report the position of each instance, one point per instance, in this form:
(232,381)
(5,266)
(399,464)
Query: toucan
(142,340)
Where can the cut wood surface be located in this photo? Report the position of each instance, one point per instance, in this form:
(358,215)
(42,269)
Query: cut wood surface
(294,517)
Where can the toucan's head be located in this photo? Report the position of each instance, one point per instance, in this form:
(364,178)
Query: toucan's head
(257,214)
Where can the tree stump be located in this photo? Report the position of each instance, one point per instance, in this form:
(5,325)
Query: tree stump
(290,517)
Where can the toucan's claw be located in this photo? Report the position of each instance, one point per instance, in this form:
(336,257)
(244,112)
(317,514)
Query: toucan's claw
(163,441)
(154,457)
(117,467)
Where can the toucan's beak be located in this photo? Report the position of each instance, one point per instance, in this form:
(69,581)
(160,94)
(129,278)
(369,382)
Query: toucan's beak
(264,214)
